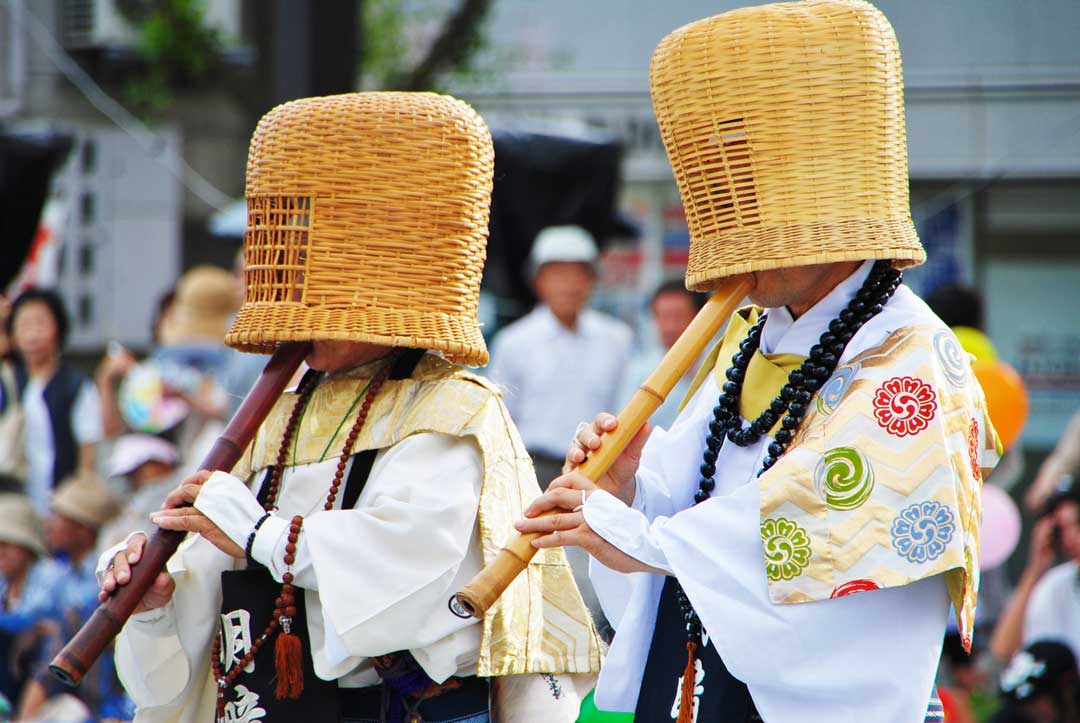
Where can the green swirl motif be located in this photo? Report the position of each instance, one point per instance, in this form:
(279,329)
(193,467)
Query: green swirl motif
(844,478)
(787,548)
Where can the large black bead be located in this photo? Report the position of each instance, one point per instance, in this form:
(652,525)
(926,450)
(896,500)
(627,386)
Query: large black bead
(778,406)
(701,496)
(845,335)
(714,440)
(716,428)
(707,470)
(739,360)
(707,484)
(847,316)
(856,306)
(768,419)
(783,436)
(823,372)
(836,326)
(709,456)
(802,396)
(796,378)
(776,449)
(787,393)
(735,374)
(789,422)
(828,359)
(796,409)
(827,339)
(815,350)
(767,462)
(731,389)
(812,384)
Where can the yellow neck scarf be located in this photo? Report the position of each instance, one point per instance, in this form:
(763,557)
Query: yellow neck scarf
(765,375)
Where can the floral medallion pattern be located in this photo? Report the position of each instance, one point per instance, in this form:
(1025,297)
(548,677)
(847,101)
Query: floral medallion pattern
(787,548)
(853,586)
(973,451)
(904,405)
(922,531)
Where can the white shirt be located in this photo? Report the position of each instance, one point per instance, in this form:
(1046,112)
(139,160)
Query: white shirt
(1053,613)
(867,657)
(555,377)
(40,454)
(377,577)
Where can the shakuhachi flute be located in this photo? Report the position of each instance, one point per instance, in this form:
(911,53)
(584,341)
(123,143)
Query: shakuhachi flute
(484,589)
(71,663)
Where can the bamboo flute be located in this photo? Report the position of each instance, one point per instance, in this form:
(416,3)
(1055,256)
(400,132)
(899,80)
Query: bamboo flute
(71,663)
(486,587)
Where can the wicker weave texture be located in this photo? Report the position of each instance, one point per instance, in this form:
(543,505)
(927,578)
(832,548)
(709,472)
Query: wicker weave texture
(367,221)
(784,125)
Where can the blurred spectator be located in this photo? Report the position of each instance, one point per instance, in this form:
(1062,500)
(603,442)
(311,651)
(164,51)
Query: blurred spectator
(12,446)
(1063,462)
(241,368)
(560,364)
(148,465)
(958,305)
(1046,602)
(966,690)
(1040,685)
(673,307)
(61,407)
(79,508)
(29,587)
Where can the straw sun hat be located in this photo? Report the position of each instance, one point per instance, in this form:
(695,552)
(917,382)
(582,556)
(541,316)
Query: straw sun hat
(20,525)
(85,500)
(205,301)
(367,221)
(784,125)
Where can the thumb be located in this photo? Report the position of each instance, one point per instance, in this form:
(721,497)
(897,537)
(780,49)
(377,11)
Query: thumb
(637,442)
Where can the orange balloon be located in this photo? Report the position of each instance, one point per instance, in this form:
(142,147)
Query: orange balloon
(1006,398)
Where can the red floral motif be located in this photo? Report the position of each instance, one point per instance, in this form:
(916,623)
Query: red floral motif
(904,405)
(973,450)
(853,586)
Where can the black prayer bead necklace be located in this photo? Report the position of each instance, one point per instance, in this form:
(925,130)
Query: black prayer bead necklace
(791,404)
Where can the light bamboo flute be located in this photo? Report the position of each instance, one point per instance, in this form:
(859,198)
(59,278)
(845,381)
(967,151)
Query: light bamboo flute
(71,663)
(484,589)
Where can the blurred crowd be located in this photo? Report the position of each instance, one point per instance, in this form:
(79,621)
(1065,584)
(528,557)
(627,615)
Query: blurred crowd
(85,458)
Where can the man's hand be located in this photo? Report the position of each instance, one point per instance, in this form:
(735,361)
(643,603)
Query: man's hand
(1041,548)
(565,525)
(619,479)
(178,514)
(119,574)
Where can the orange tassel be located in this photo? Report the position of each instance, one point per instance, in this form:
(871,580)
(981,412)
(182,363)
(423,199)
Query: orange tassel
(686,700)
(288,666)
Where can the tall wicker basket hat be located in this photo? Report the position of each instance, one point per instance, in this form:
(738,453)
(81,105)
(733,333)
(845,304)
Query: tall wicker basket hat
(784,125)
(367,221)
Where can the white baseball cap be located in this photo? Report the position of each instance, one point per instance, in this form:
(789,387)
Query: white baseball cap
(562,243)
(134,450)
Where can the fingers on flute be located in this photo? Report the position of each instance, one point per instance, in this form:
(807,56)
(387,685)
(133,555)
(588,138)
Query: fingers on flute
(181,518)
(606,422)
(558,498)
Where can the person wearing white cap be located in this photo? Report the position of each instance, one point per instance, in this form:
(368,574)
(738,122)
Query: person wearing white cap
(148,465)
(29,582)
(562,362)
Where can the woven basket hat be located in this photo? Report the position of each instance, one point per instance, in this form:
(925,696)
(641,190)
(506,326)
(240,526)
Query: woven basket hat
(784,125)
(367,221)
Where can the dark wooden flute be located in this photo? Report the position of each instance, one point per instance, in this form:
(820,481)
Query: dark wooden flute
(71,663)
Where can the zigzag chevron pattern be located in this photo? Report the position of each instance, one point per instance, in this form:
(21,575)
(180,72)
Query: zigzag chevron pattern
(893,458)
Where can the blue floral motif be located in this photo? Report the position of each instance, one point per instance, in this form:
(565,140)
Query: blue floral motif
(922,531)
(835,389)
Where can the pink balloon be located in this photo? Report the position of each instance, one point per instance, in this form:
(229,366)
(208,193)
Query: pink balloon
(1000,527)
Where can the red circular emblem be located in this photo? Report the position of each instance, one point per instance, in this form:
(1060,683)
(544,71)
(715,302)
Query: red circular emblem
(973,450)
(904,405)
(854,586)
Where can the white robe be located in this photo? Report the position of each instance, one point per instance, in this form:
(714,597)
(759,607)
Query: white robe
(867,657)
(378,577)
